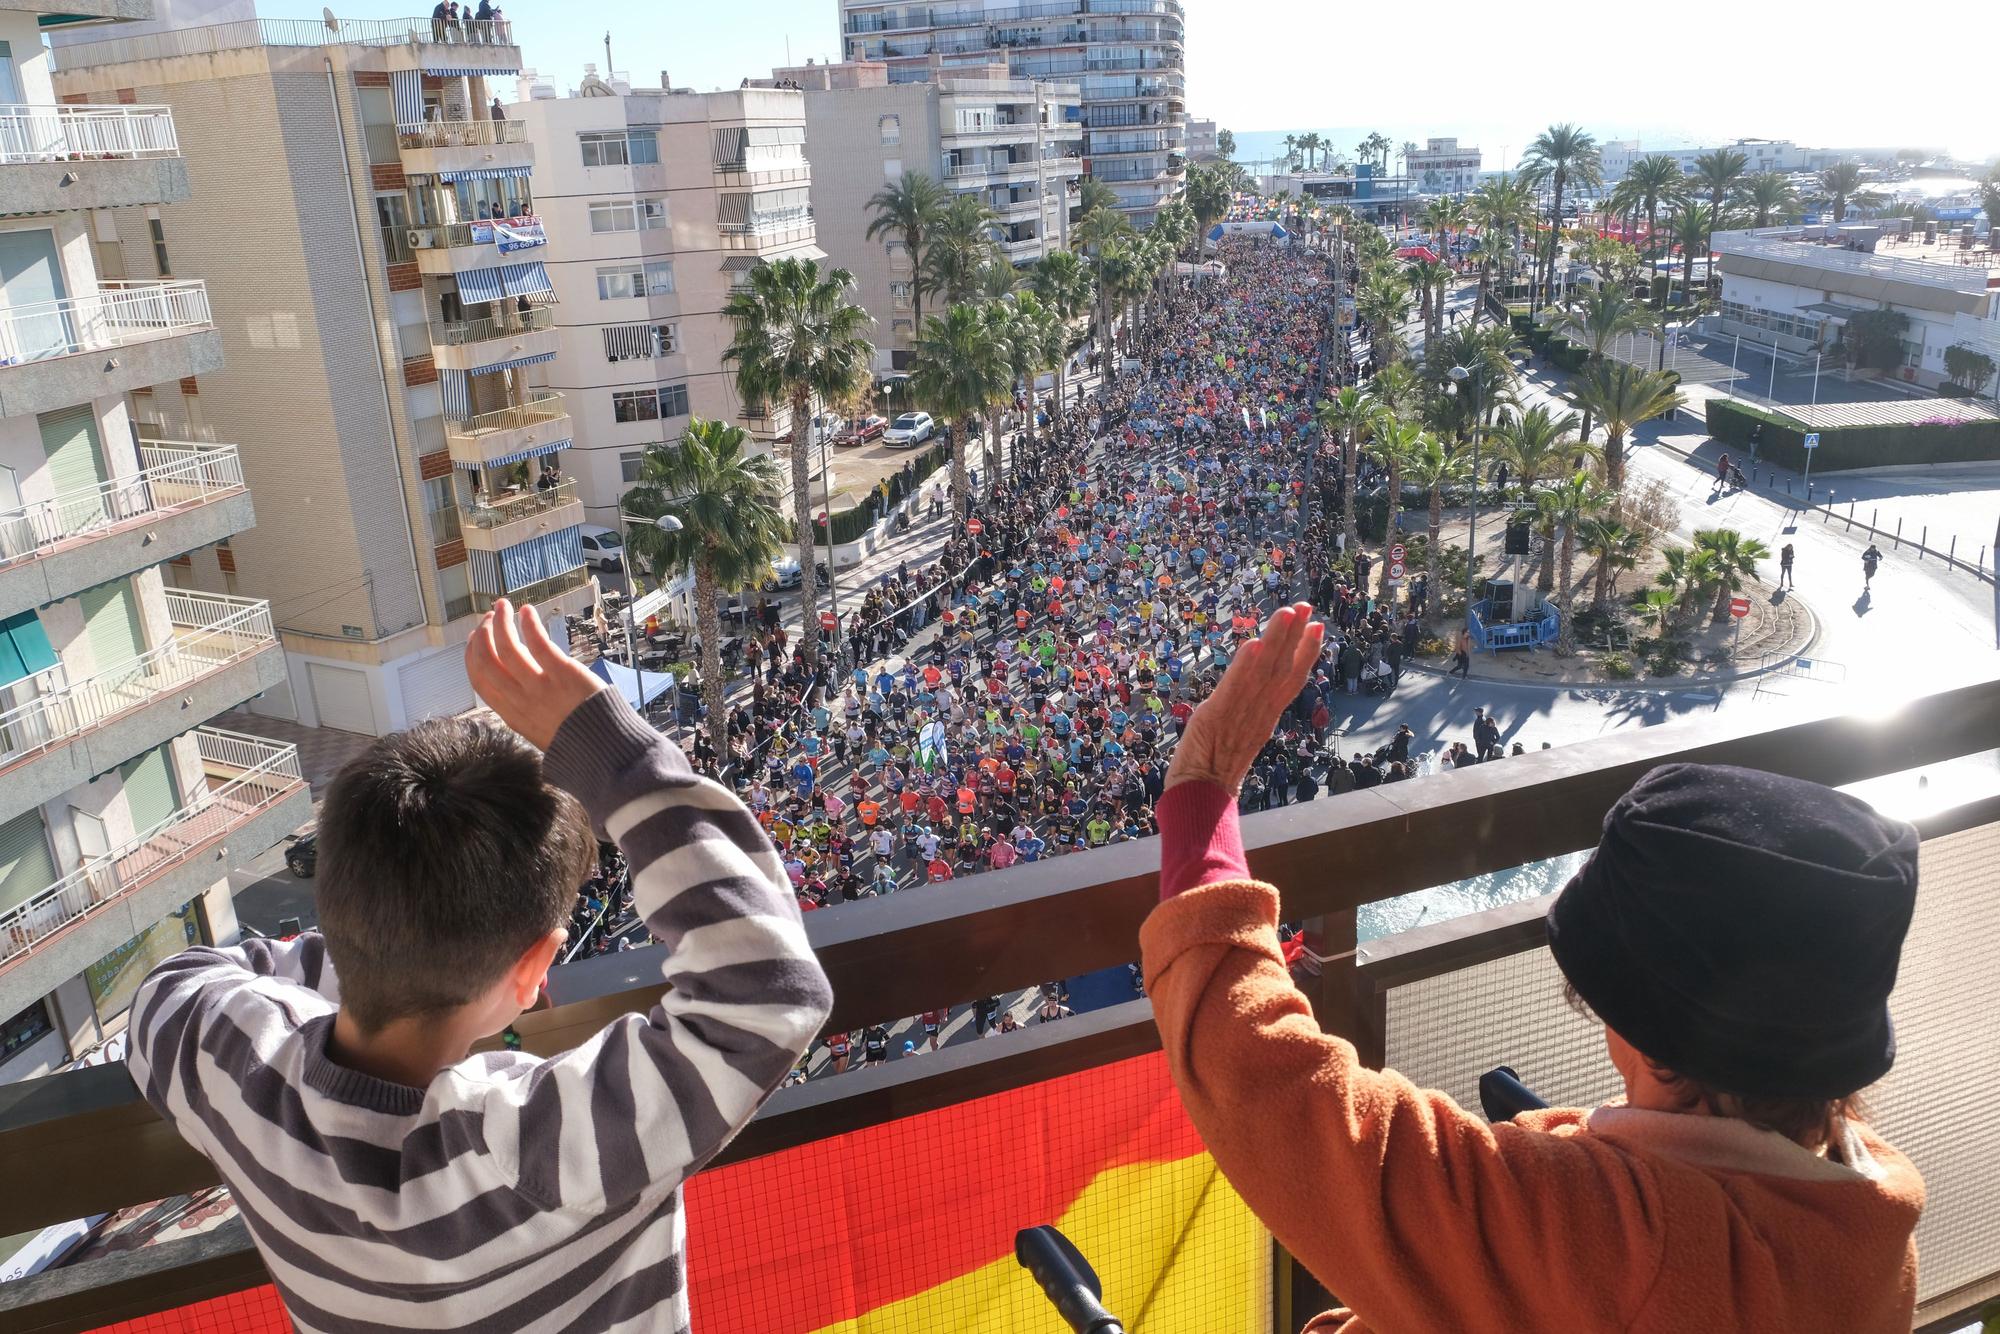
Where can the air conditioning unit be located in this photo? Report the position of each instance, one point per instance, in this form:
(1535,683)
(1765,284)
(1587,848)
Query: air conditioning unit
(420,237)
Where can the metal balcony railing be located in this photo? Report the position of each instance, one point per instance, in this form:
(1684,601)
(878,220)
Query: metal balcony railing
(116,314)
(63,133)
(210,632)
(171,474)
(451,235)
(541,408)
(462,134)
(245,33)
(569,581)
(457,333)
(261,773)
(499,511)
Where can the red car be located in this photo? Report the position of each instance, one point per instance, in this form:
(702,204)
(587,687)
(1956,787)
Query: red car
(868,428)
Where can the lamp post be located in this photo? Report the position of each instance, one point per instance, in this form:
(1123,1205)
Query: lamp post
(826,501)
(1460,375)
(666,523)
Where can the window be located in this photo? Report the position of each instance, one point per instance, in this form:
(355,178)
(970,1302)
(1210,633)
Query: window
(673,400)
(897,251)
(629,464)
(644,405)
(394,217)
(620,281)
(892,131)
(659,277)
(455,583)
(892,169)
(901,328)
(441,507)
(639,342)
(619,148)
(628,215)
(158,231)
(900,294)
(33,1022)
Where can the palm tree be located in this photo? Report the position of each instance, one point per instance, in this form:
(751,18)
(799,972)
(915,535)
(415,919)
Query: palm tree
(995,280)
(1842,184)
(1431,464)
(1120,271)
(908,208)
(1500,208)
(1537,444)
(1568,504)
(960,371)
(1566,153)
(1063,284)
(1772,196)
(1621,396)
(956,250)
(1033,336)
(732,527)
(1600,317)
(1719,170)
(1208,196)
(1395,442)
(1652,181)
(1311,144)
(1689,574)
(1425,277)
(1989,197)
(1732,557)
(797,338)
(1291,148)
(1094,196)
(1614,547)
(1382,302)
(1693,226)
(1349,416)
(1395,388)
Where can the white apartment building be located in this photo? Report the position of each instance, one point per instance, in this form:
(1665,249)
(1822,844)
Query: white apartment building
(374,258)
(1616,157)
(1202,140)
(1795,287)
(1127,56)
(120,810)
(658,204)
(1016,144)
(1441,167)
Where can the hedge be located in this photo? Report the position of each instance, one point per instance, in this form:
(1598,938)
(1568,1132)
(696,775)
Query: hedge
(1942,440)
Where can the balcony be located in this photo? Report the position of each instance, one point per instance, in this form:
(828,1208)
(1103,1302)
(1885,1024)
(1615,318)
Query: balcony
(222,652)
(1440,1002)
(153,332)
(184,496)
(254,795)
(414,43)
(473,345)
(768,233)
(498,522)
(495,438)
(452,248)
(743,172)
(570,593)
(464,145)
(55,159)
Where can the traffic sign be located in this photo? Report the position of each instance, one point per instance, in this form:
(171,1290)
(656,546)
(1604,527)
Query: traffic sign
(1812,440)
(827,620)
(1739,607)
(1396,553)
(1395,574)
(975,527)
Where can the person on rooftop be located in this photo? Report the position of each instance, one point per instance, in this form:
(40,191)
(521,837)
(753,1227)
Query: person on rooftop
(1738,933)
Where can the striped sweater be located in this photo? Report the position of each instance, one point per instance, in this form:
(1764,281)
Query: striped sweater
(512,1193)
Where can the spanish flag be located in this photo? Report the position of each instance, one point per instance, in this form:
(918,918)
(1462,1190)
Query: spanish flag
(908,1227)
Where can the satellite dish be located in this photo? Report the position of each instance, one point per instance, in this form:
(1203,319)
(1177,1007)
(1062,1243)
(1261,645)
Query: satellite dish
(332,23)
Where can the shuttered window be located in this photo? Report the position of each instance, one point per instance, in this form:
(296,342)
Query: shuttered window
(148,781)
(76,466)
(111,624)
(26,868)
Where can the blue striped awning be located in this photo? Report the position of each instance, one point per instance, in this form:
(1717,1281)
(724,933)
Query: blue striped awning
(455,387)
(510,365)
(528,562)
(482,173)
(509,460)
(406,91)
(502,281)
(455,72)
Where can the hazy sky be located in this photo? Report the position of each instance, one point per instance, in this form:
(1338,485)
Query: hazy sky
(1824,76)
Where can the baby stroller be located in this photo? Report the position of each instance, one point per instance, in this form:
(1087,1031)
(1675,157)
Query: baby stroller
(1378,678)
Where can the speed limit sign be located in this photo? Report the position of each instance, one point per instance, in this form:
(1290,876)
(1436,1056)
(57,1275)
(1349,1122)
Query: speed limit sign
(1395,574)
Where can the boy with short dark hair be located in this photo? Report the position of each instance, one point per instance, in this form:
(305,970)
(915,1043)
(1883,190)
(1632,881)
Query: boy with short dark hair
(389,1178)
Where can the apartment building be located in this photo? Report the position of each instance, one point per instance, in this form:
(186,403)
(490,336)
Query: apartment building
(657,204)
(1795,288)
(1203,140)
(1441,167)
(1127,57)
(1016,144)
(375,264)
(120,809)
(1616,157)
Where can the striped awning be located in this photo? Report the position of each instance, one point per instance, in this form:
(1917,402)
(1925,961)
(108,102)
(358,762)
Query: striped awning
(740,263)
(502,281)
(483,173)
(455,73)
(528,562)
(509,460)
(455,387)
(406,91)
(538,358)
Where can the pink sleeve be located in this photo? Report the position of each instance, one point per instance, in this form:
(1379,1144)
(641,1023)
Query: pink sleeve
(1199,841)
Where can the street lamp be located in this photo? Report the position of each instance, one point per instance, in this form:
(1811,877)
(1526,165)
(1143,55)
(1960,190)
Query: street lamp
(1460,375)
(666,523)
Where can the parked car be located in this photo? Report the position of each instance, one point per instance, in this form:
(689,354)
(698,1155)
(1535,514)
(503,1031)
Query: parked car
(302,858)
(785,574)
(603,548)
(868,428)
(909,430)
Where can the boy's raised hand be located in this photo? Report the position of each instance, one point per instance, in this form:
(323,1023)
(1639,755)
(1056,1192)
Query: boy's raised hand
(1224,735)
(522,675)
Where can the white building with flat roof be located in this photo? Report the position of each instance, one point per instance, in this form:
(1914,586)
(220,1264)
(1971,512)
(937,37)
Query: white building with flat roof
(1441,167)
(1616,157)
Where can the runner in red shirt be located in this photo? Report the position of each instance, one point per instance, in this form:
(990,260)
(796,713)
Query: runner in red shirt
(932,1021)
(939,870)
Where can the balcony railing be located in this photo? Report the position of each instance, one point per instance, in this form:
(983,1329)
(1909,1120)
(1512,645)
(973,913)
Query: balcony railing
(245,33)
(541,408)
(462,134)
(457,333)
(210,632)
(63,133)
(1435,999)
(172,474)
(498,512)
(116,314)
(261,773)
(569,581)
(451,235)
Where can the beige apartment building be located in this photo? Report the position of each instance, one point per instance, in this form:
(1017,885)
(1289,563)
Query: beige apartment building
(1016,144)
(120,809)
(657,204)
(369,231)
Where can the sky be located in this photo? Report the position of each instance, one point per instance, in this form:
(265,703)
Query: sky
(1832,78)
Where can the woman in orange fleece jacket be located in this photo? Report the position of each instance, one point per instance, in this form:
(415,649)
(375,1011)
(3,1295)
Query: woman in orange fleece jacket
(1737,932)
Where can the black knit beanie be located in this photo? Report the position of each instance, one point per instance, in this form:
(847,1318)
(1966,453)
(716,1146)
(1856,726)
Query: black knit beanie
(1743,929)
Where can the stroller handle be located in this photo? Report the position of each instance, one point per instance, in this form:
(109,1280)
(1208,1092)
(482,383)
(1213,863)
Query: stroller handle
(1066,1278)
